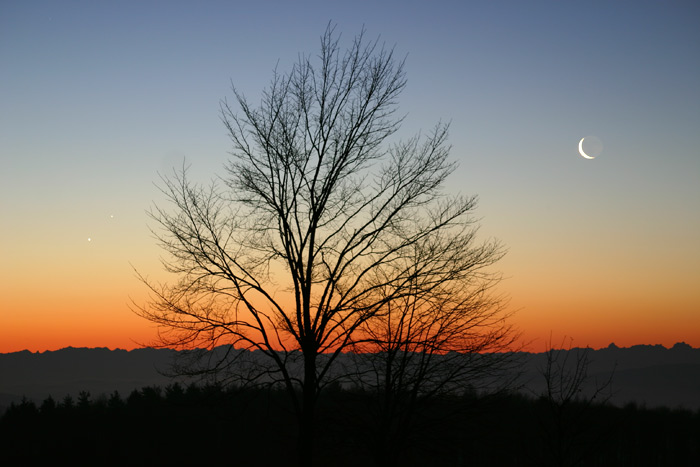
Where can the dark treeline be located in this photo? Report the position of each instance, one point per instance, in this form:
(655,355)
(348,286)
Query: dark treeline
(197,425)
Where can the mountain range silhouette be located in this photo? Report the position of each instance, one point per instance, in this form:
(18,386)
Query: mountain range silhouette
(647,375)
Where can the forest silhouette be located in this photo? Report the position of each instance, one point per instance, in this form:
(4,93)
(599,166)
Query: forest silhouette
(203,424)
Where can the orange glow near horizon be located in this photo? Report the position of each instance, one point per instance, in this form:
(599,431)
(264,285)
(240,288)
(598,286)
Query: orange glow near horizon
(105,320)
(86,304)
(599,323)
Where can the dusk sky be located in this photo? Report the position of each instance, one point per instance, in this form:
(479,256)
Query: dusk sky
(96,98)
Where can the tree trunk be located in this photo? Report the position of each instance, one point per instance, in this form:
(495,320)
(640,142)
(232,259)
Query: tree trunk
(308,415)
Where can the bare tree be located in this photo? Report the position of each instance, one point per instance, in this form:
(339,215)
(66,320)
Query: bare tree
(570,393)
(312,231)
(447,333)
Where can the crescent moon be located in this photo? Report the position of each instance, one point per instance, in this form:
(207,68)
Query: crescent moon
(580,149)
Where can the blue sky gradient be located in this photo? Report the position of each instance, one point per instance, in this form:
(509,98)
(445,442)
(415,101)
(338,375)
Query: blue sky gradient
(96,98)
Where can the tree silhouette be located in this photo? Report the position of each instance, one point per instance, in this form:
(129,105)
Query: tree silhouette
(311,234)
(448,333)
(570,394)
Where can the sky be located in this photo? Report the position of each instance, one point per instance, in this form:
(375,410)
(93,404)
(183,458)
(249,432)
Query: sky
(97,98)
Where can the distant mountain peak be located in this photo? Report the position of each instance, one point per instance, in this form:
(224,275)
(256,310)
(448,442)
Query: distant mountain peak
(681,346)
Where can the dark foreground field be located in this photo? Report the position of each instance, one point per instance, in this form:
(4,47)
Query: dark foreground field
(209,425)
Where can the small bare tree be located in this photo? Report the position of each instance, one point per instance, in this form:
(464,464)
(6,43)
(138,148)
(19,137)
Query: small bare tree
(449,332)
(570,392)
(311,232)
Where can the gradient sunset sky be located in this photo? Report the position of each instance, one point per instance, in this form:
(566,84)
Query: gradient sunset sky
(96,98)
